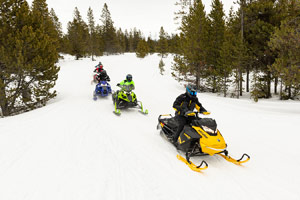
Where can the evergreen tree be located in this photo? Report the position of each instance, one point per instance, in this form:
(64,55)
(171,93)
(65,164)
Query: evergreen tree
(109,32)
(162,44)
(216,39)
(174,44)
(126,38)
(259,24)
(58,28)
(142,49)
(121,41)
(161,66)
(93,44)
(44,21)
(194,40)
(137,36)
(27,57)
(100,41)
(78,35)
(151,45)
(285,40)
(229,53)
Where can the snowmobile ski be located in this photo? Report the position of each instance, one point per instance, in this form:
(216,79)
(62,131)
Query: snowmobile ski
(232,160)
(117,111)
(192,166)
(142,109)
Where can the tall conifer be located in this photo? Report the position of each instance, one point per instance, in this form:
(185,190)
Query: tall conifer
(109,32)
(216,39)
(194,41)
(78,35)
(27,56)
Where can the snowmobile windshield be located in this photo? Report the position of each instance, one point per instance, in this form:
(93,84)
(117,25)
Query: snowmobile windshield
(127,88)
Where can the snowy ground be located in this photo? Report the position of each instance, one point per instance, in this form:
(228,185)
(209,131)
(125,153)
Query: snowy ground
(77,149)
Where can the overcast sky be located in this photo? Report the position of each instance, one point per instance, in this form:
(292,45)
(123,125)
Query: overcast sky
(146,15)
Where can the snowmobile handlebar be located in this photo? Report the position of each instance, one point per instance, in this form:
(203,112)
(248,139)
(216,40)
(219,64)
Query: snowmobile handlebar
(194,113)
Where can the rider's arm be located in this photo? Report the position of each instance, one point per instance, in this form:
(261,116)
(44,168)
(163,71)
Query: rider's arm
(199,107)
(133,86)
(177,103)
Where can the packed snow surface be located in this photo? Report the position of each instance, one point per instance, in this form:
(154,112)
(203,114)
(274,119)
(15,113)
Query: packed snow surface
(76,148)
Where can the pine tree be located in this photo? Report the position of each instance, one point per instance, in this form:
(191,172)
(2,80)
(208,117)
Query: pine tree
(174,44)
(151,45)
(259,24)
(78,35)
(121,41)
(142,49)
(136,37)
(126,38)
(162,44)
(92,49)
(228,59)
(194,40)
(216,39)
(161,66)
(27,57)
(45,21)
(109,32)
(286,41)
(58,28)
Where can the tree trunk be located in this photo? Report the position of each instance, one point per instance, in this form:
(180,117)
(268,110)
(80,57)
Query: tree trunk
(214,84)
(241,82)
(269,85)
(242,38)
(225,89)
(281,89)
(247,81)
(197,82)
(275,85)
(237,84)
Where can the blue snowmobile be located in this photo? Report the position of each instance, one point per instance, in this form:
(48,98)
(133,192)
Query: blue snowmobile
(102,89)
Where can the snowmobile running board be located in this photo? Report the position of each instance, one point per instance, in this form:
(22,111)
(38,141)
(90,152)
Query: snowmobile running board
(192,165)
(237,162)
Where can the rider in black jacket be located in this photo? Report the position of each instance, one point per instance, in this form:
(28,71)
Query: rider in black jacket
(103,76)
(184,103)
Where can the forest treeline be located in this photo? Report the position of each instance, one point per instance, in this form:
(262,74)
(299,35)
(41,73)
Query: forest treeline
(255,49)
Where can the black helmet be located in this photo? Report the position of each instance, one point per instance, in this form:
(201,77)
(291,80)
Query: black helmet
(100,63)
(191,90)
(129,77)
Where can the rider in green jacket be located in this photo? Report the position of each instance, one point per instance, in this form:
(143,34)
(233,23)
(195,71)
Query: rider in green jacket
(127,81)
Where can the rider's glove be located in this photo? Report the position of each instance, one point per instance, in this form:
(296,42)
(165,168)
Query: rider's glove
(118,84)
(206,113)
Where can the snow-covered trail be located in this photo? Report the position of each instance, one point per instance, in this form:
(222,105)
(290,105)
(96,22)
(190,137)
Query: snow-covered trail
(77,149)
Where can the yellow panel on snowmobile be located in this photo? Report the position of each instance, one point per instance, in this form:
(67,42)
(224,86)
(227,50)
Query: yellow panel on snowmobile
(211,144)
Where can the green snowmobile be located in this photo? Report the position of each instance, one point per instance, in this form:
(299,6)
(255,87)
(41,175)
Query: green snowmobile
(126,98)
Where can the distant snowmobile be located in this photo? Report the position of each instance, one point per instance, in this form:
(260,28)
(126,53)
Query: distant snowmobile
(126,98)
(102,89)
(200,137)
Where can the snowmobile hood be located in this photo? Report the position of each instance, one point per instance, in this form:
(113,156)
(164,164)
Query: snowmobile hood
(211,144)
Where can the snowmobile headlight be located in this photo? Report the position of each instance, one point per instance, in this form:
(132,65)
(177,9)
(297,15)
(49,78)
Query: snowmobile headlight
(207,129)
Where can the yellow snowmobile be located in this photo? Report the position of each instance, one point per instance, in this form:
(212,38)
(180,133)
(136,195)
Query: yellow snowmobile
(200,137)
